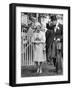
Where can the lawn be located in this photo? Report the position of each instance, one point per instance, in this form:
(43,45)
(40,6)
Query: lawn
(30,71)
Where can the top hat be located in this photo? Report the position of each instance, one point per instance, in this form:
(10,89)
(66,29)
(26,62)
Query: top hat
(53,18)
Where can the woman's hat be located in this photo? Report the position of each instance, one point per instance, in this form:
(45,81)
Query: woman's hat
(37,24)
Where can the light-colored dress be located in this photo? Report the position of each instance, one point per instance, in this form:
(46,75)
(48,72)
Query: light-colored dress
(38,40)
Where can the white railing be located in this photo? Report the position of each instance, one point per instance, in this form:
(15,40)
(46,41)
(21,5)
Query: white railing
(27,52)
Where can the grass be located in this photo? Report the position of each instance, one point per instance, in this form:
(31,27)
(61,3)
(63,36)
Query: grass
(31,71)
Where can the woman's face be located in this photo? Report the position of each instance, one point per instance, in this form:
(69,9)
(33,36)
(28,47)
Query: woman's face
(38,28)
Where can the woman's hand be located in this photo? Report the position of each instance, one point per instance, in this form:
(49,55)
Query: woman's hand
(38,42)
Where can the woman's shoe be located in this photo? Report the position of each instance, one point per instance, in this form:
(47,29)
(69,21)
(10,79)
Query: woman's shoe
(38,70)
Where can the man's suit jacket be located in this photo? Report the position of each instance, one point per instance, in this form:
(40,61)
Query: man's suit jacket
(49,35)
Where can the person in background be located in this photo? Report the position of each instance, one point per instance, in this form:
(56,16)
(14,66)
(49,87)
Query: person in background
(58,56)
(38,40)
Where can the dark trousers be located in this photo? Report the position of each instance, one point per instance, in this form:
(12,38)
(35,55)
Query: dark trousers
(47,54)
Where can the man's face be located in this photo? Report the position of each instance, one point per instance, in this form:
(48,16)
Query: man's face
(54,22)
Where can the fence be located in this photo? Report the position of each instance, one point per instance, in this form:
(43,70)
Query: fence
(26,51)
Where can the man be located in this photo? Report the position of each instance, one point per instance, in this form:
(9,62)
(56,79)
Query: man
(50,34)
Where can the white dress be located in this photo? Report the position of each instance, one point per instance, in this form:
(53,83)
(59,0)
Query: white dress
(39,40)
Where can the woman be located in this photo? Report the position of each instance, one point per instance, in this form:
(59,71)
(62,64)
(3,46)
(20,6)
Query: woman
(38,40)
